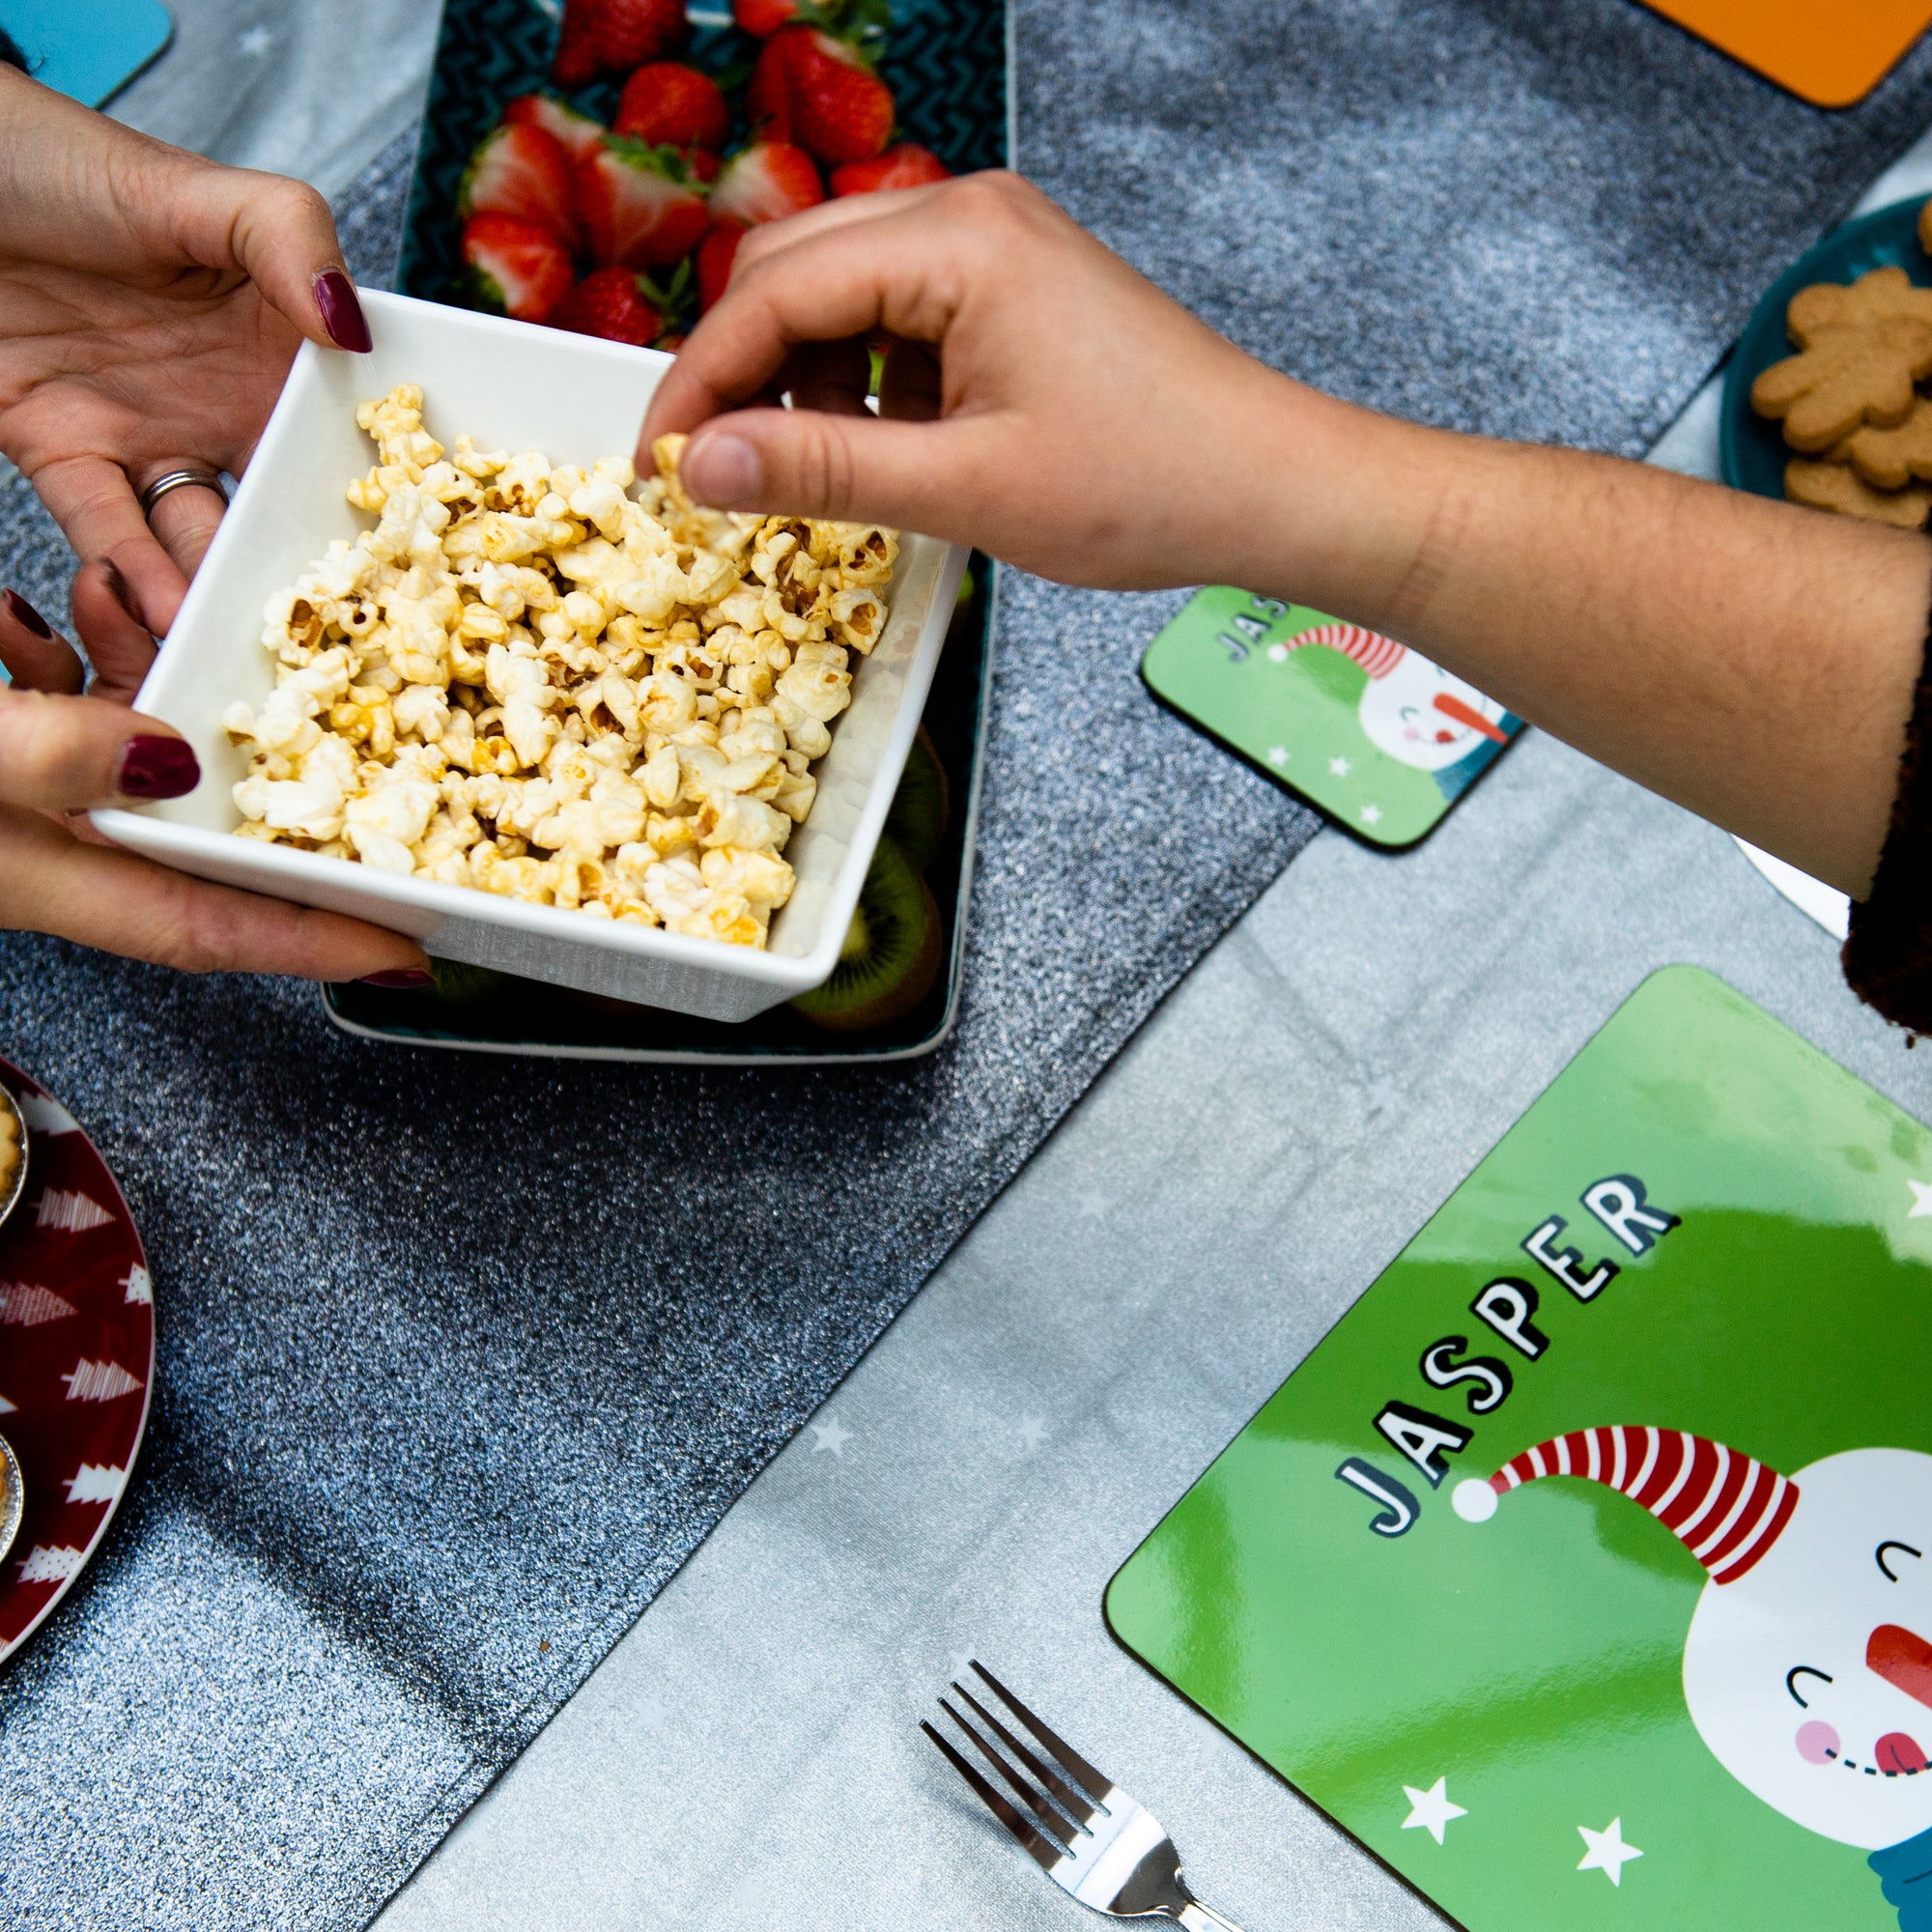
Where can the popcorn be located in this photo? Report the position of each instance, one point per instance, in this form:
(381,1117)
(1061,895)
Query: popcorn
(533,682)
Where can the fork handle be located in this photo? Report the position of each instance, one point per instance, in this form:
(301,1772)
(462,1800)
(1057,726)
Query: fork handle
(1195,1916)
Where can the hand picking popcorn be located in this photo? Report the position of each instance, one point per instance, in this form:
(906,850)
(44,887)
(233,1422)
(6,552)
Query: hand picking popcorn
(533,682)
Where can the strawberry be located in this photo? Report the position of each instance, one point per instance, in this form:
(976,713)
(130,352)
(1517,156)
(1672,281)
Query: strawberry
(768,96)
(673,104)
(516,267)
(615,303)
(702,162)
(640,207)
(614,36)
(578,133)
(763,17)
(765,182)
(526,174)
(841,110)
(906,165)
(714,260)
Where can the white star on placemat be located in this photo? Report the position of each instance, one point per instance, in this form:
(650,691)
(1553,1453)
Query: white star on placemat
(832,1435)
(1033,1432)
(1339,766)
(1372,815)
(256,41)
(1277,754)
(1092,1204)
(1922,1200)
(1431,1811)
(1608,1853)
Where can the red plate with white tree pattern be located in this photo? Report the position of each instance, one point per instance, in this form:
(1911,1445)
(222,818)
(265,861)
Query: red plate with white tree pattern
(77,1356)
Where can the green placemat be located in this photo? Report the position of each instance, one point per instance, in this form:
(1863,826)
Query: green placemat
(1686,1683)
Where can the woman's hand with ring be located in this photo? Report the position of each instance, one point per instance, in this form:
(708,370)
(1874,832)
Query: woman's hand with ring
(150,304)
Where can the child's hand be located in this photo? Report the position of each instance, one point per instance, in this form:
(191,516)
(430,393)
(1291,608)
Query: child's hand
(1045,402)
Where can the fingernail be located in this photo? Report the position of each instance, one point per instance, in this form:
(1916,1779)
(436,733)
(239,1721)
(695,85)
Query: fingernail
(723,469)
(341,312)
(404,980)
(25,614)
(158,767)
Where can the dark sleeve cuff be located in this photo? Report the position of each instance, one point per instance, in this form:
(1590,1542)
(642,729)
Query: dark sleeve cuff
(1888,956)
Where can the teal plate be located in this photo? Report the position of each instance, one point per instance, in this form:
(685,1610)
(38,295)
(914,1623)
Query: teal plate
(1751,449)
(525,1016)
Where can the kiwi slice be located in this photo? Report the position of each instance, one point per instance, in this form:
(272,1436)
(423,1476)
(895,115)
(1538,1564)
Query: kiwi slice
(891,951)
(460,985)
(922,805)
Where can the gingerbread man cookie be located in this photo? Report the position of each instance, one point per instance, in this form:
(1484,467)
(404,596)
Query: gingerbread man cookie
(1836,486)
(1889,459)
(1846,378)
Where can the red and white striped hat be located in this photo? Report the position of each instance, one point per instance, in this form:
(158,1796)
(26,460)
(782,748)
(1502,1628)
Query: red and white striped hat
(1376,654)
(1726,1509)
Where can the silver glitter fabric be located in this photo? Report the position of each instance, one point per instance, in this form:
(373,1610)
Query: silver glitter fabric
(460,1358)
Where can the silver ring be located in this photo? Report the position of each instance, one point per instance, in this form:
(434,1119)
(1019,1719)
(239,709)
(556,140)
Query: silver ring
(180,480)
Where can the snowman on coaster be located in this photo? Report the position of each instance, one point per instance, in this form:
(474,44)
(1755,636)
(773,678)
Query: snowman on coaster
(1411,710)
(1807,1669)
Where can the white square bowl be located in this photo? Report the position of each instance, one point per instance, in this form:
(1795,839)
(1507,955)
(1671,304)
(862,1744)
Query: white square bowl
(511,386)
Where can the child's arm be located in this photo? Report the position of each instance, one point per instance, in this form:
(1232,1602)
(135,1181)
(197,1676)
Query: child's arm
(1753,660)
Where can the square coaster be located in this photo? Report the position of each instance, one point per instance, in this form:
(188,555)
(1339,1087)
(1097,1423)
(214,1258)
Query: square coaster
(89,53)
(1829,53)
(1367,730)
(1584,1570)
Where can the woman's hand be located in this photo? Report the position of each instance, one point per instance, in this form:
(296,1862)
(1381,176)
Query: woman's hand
(150,304)
(1044,402)
(60,754)
(1753,660)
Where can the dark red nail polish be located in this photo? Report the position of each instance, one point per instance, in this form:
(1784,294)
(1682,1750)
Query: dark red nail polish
(158,767)
(341,312)
(404,980)
(25,614)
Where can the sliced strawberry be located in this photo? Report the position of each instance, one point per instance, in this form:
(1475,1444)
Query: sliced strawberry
(516,267)
(702,162)
(526,174)
(841,110)
(765,182)
(768,96)
(763,17)
(673,104)
(614,35)
(713,261)
(615,303)
(640,207)
(578,133)
(906,165)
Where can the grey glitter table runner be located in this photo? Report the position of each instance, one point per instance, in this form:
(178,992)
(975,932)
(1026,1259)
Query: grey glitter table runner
(461,1358)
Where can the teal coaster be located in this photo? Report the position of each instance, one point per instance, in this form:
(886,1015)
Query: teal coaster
(1584,1570)
(1364,728)
(89,52)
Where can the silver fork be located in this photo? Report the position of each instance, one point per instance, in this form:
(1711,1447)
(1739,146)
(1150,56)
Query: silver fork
(1083,1832)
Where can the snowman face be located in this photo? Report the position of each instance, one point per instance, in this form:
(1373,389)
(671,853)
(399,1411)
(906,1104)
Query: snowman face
(1811,1677)
(1424,717)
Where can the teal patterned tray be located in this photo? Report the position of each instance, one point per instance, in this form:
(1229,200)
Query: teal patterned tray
(945,63)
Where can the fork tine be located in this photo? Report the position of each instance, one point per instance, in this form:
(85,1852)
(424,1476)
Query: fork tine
(1075,1766)
(1045,1853)
(1074,1803)
(1051,1822)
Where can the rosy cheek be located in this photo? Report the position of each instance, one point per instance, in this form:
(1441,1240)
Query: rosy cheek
(1817,1742)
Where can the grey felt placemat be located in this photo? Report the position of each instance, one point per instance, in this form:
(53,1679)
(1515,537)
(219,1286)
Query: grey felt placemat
(460,1358)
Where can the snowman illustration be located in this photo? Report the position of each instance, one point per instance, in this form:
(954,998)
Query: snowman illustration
(1807,1669)
(1412,710)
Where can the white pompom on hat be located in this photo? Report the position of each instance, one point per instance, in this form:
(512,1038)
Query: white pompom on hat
(1725,1508)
